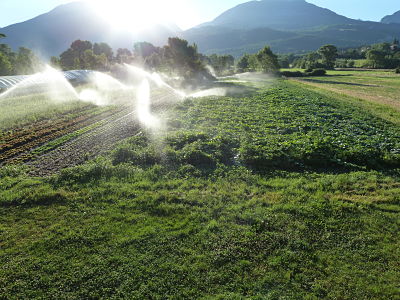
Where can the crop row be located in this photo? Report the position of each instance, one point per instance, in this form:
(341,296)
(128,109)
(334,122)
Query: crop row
(21,143)
(87,145)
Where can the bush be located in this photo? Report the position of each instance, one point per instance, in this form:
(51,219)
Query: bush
(292,74)
(397,71)
(196,157)
(143,157)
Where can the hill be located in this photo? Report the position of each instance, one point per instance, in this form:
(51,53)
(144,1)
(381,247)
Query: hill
(216,39)
(287,26)
(52,33)
(278,14)
(395,18)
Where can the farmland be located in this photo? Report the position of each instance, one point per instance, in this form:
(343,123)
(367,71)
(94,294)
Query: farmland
(380,87)
(288,191)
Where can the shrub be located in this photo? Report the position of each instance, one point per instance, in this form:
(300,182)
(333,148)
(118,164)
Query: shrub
(397,71)
(292,74)
(197,158)
(143,157)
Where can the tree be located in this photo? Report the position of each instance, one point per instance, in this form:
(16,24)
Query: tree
(243,64)
(144,49)
(267,60)
(68,60)
(26,62)
(124,56)
(376,58)
(329,54)
(79,47)
(55,62)
(5,65)
(221,63)
(103,48)
(73,58)
(94,62)
(183,58)
(83,54)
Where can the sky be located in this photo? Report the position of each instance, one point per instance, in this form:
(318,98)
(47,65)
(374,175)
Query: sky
(199,11)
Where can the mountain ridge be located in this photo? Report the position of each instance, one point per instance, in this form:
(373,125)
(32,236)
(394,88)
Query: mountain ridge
(310,26)
(253,14)
(392,19)
(255,24)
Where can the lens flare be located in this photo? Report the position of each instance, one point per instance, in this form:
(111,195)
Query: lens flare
(144,106)
(137,15)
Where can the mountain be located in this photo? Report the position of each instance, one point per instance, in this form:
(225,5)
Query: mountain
(392,19)
(278,14)
(220,40)
(287,26)
(52,33)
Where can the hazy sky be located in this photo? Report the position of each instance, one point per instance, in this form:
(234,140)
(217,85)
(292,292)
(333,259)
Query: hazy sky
(12,11)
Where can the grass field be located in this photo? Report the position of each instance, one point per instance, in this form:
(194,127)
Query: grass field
(375,86)
(290,192)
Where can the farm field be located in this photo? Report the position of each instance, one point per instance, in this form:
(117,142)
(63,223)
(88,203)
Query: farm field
(374,86)
(289,191)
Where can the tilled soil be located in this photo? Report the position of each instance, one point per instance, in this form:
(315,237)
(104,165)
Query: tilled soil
(86,146)
(17,146)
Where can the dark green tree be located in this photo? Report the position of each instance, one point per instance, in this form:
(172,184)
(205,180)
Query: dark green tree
(222,64)
(85,55)
(93,61)
(5,65)
(79,47)
(183,58)
(267,60)
(328,53)
(26,62)
(124,56)
(243,64)
(103,48)
(376,58)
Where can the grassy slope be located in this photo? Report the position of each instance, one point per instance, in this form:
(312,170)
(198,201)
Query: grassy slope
(193,215)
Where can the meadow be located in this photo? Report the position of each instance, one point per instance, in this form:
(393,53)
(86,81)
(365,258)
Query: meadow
(374,86)
(289,191)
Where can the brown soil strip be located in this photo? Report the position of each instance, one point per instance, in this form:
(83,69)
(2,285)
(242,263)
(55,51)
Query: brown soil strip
(85,147)
(16,146)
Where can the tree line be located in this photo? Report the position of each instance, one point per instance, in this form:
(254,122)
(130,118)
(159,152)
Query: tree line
(378,56)
(24,61)
(178,58)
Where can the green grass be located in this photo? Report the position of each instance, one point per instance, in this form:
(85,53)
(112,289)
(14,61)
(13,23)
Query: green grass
(237,201)
(374,86)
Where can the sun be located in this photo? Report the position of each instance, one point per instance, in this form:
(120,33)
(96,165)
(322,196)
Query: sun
(137,15)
